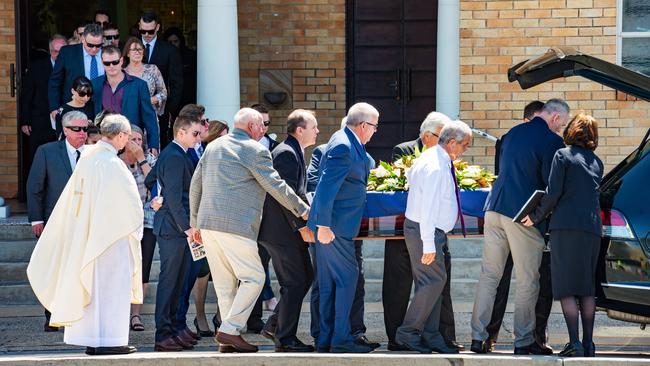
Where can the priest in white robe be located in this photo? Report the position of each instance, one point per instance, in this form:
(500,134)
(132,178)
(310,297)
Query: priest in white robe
(86,266)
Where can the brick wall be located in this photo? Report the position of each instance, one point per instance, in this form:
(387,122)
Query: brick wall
(8,124)
(306,37)
(498,33)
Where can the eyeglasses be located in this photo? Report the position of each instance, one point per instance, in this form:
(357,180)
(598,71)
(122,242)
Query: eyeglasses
(374,125)
(109,63)
(92,45)
(84,94)
(137,49)
(77,128)
(112,37)
(267,122)
(149,31)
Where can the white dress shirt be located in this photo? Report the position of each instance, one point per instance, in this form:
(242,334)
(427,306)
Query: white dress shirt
(98,58)
(266,142)
(151,44)
(432,195)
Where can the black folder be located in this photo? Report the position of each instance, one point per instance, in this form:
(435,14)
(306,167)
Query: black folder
(529,206)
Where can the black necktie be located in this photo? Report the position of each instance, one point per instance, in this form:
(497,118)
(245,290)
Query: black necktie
(147,52)
(78,155)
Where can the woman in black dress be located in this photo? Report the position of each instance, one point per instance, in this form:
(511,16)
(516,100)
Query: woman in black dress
(575,229)
(82,91)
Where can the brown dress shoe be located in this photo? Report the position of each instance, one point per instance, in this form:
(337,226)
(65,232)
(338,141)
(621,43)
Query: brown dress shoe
(194,336)
(182,343)
(168,345)
(234,341)
(187,338)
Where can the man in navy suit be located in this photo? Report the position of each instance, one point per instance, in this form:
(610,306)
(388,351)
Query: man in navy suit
(524,165)
(75,60)
(127,95)
(171,226)
(335,217)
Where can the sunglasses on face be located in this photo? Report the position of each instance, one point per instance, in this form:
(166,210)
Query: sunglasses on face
(85,94)
(113,37)
(92,45)
(77,128)
(109,63)
(267,122)
(150,31)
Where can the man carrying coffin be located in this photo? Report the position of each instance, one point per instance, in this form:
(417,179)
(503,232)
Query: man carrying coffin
(86,266)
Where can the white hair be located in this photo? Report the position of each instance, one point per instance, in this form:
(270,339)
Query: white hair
(245,115)
(113,124)
(454,130)
(433,121)
(344,121)
(361,112)
(73,116)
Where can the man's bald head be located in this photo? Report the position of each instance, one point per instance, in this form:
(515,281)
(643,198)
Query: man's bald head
(250,121)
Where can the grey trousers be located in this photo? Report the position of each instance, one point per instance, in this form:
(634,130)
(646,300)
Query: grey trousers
(422,319)
(502,237)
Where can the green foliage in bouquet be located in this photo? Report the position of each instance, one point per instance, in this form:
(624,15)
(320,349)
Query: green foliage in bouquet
(392,177)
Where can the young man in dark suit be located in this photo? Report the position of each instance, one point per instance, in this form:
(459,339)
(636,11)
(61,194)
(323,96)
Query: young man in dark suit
(173,232)
(75,60)
(280,233)
(34,113)
(169,62)
(52,167)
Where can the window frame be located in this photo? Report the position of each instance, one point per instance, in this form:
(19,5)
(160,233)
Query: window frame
(620,35)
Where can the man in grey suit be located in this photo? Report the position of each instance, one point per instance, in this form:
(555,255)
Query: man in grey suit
(226,198)
(52,167)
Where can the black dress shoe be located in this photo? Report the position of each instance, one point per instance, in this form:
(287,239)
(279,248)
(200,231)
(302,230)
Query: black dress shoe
(590,349)
(438,345)
(351,347)
(417,347)
(479,346)
(546,348)
(268,334)
(393,346)
(456,345)
(254,326)
(323,349)
(533,348)
(202,333)
(363,340)
(102,351)
(574,349)
(294,345)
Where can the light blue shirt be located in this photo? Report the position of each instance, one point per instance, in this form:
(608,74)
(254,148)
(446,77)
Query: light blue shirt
(100,65)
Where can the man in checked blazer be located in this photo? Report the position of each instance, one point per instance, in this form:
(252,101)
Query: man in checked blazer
(226,198)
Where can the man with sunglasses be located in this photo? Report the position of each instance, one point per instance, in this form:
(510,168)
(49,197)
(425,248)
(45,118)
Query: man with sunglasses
(168,60)
(111,35)
(52,167)
(128,95)
(102,18)
(73,61)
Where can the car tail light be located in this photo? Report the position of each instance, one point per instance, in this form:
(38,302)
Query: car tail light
(615,225)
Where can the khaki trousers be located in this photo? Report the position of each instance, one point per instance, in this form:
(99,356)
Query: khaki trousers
(237,275)
(502,236)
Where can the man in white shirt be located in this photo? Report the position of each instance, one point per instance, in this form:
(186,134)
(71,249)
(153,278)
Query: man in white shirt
(432,209)
(52,167)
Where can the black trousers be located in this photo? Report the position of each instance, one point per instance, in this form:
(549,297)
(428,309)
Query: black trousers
(542,308)
(165,122)
(396,290)
(173,267)
(292,265)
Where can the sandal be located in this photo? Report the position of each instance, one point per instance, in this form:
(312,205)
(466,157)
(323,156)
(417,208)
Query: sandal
(136,326)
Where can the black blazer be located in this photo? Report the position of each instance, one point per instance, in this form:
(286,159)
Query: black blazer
(572,192)
(48,176)
(174,171)
(69,64)
(407,148)
(169,62)
(33,111)
(278,224)
(524,165)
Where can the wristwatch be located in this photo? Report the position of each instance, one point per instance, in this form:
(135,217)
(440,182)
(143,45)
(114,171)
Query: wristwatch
(142,163)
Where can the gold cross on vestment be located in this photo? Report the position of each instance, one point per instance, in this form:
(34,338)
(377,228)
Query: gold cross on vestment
(80,194)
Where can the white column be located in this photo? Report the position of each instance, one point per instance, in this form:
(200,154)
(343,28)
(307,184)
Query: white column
(218,59)
(448,58)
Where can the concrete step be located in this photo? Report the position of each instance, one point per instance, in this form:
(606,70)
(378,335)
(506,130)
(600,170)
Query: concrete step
(15,228)
(21,293)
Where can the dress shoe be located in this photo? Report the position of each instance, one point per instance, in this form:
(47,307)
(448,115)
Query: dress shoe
(294,345)
(533,348)
(363,340)
(546,348)
(186,337)
(490,344)
(189,331)
(456,345)
(590,349)
(202,333)
(48,328)
(234,341)
(479,346)
(268,334)
(323,349)
(254,326)
(438,345)
(417,346)
(574,349)
(182,343)
(351,347)
(393,346)
(102,351)
(168,345)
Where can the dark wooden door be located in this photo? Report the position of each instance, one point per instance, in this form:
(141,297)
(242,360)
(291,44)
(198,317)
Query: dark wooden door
(391,64)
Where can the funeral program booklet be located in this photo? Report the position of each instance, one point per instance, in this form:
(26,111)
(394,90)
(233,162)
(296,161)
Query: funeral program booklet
(529,206)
